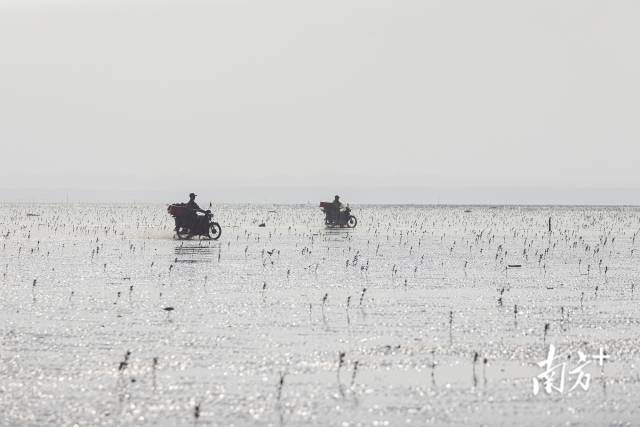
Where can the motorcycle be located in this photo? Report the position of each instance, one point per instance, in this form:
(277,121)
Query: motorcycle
(342,218)
(189,223)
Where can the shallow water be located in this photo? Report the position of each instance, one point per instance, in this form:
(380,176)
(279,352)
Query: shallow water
(285,300)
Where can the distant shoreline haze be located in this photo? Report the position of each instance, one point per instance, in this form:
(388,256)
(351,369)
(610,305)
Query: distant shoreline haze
(354,196)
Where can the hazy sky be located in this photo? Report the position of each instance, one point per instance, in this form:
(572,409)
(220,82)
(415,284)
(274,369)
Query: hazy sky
(332,96)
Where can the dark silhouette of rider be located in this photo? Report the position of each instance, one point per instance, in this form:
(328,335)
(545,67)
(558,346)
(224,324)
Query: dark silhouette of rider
(191,204)
(336,207)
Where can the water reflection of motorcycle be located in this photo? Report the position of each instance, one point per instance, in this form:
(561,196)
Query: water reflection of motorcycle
(338,217)
(189,223)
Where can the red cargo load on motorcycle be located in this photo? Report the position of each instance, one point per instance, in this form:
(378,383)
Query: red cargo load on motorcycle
(178,210)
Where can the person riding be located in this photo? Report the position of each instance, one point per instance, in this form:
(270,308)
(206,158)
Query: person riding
(193,206)
(337,207)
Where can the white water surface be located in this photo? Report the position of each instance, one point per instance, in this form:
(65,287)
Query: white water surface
(82,285)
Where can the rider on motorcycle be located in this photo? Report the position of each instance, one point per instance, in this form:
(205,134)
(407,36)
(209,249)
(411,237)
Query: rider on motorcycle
(337,214)
(191,204)
(189,223)
(337,207)
(192,218)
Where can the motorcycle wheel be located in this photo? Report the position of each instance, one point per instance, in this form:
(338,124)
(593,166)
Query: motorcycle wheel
(183,233)
(352,222)
(215,231)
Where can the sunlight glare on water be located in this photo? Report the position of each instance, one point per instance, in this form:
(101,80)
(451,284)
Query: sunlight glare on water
(106,319)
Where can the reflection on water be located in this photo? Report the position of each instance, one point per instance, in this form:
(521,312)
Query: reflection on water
(194,253)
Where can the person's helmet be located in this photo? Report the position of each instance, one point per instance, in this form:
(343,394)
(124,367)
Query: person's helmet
(192,195)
